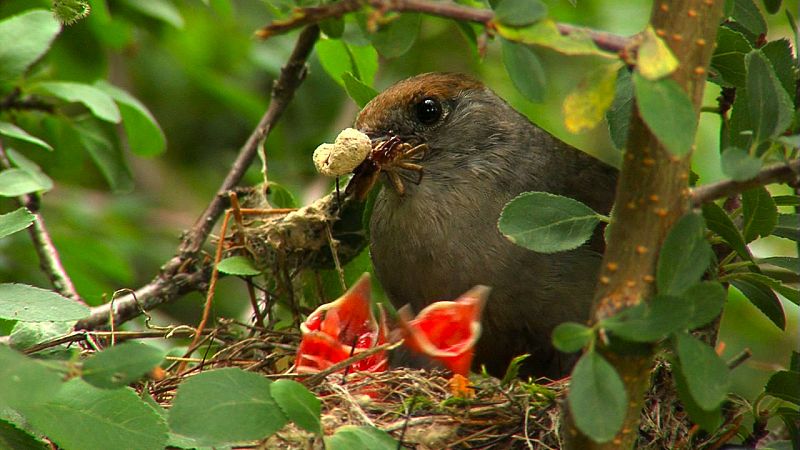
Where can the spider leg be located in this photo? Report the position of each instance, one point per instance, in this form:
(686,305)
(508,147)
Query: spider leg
(421,148)
(396,181)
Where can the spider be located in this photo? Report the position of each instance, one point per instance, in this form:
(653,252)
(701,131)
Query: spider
(389,156)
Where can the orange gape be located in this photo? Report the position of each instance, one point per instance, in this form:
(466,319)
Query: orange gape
(444,331)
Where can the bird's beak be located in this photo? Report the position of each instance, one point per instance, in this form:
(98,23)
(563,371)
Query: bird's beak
(447,331)
(336,331)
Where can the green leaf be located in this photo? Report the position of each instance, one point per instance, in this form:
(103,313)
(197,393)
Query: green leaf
(675,130)
(280,197)
(587,104)
(512,371)
(27,334)
(398,36)
(31,168)
(14,221)
(684,256)
(15,182)
(772,6)
(769,104)
(337,58)
(790,293)
(83,417)
(351,437)
(718,221)
(569,337)
(13,131)
(791,264)
(162,10)
(525,70)
(121,364)
(619,114)
(31,304)
(333,27)
(25,381)
(760,213)
(654,58)
(746,13)
(544,33)
(12,437)
(707,420)
(298,404)
(785,385)
(707,375)
(707,299)
(98,102)
(651,321)
(787,226)
(358,91)
(238,265)
(739,165)
(764,299)
(145,137)
(780,54)
(519,13)
(595,387)
(99,142)
(236,405)
(787,200)
(547,223)
(728,59)
(25,37)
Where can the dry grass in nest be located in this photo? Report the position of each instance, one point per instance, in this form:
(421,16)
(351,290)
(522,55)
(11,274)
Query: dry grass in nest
(420,409)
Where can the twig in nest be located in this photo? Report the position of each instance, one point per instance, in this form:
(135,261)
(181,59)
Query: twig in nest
(319,376)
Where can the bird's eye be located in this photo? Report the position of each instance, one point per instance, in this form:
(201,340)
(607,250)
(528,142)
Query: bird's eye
(428,111)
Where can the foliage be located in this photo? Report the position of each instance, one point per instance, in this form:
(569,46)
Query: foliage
(114,116)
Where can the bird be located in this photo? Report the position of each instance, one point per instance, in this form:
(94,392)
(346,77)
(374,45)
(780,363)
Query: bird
(452,154)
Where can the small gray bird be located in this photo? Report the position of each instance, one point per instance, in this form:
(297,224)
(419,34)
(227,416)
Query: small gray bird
(452,154)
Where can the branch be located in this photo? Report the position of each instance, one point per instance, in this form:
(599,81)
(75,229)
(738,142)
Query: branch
(312,15)
(49,260)
(778,173)
(175,280)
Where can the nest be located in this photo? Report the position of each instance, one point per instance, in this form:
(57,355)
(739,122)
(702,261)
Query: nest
(424,410)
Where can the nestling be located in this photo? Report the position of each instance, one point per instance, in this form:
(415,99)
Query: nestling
(458,153)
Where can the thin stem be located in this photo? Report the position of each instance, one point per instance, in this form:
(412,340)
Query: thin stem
(778,173)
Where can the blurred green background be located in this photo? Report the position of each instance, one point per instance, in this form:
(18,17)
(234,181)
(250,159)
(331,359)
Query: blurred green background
(206,79)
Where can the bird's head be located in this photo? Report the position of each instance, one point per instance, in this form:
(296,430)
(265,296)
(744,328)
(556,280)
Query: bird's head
(448,117)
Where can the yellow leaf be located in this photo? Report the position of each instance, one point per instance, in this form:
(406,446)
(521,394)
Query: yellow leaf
(654,58)
(544,33)
(585,106)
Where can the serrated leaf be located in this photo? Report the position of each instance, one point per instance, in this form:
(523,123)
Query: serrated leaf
(619,114)
(764,299)
(15,182)
(596,386)
(569,337)
(770,107)
(718,221)
(519,13)
(13,131)
(792,294)
(351,437)
(651,321)
(544,33)
(707,375)
(236,405)
(25,381)
(746,13)
(684,257)
(780,54)
(98,102)
(32,304)
(145,137)
(654,58)
(586,105)
(398,36)
(238,265)
(25,37)
(789,263)
(787,226)
(14,221)
(675,130)
(707,420)
(547,223)
(739,165)
(760,213)
(88,418)
(12,437)
(525,70)
(707,299)
(358,91)
(728,58)
(121,364)
(298,404)
(785,385)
